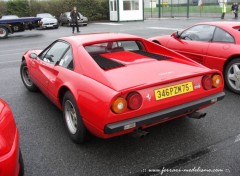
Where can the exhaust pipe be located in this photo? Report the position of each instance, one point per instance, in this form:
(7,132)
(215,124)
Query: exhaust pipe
(139,133)
(197,115)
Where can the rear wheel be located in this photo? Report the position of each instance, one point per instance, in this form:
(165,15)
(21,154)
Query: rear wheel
(232,75)
(3,32)
(26,79)
(21,163)
(73,120)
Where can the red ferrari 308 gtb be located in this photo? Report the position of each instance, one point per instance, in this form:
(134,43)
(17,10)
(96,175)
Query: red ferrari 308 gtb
(11,162)
(214,44)
(111,84)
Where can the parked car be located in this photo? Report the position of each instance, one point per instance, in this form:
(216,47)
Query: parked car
(11,162)
(195,2)
(8,17)
(110,84)
(65,19)
(213,44)
(48,21)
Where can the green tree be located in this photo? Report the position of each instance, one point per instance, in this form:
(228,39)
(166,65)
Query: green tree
(3,8)
(18,7)
(93,9)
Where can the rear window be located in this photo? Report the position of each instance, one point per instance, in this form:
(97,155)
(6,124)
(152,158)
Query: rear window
(115,54)
(114,46)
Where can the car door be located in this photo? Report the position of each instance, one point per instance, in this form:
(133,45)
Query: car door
(64,69)
(65,18)
(61,17)
(221,47)
(43,68)
(193,42)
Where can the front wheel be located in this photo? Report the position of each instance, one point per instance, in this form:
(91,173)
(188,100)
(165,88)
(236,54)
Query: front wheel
(21,164)
(26,79)
(3,32)
(232,75)
(73,120)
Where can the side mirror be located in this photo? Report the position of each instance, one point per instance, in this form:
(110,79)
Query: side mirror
(175,35)
(33,56)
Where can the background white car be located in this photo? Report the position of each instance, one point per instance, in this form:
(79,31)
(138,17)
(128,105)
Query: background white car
(48,21)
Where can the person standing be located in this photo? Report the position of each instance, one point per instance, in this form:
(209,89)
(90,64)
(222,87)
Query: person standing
(75,17)
(200,4)
(224,9)
(235,9)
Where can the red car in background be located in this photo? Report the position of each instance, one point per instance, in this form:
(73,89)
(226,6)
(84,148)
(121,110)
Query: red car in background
(11,162)
(213,44)
(110,84)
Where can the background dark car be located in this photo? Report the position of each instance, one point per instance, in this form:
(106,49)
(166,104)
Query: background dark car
(65,19)
(195,2)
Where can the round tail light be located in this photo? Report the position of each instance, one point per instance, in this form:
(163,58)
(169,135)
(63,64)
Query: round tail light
(217,80)
(207,82)
(119,105)
(134,101)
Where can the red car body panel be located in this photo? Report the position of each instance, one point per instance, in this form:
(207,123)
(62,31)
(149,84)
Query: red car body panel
(9,142)
(213,55)
(95,89)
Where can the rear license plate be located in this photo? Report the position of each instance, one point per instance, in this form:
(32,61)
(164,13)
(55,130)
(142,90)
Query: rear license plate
(172,91)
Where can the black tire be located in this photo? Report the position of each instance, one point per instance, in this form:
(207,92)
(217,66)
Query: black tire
(77,132)
(231,82)
(21,163)
(85,25)
(26,79)
(3,32)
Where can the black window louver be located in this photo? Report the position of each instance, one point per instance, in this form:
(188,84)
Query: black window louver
(152,55)
(105,63)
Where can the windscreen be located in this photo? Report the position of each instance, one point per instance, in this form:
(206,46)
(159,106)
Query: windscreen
(45,15)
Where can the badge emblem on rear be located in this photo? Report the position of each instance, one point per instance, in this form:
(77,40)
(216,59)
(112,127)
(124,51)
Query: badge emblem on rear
(148,97)
(197,86)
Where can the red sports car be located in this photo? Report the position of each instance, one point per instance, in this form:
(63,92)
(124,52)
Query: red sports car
(213,44)
(11,162)
(111,84)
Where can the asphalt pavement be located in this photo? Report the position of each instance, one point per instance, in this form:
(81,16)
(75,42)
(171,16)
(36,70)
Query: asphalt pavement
(208,146)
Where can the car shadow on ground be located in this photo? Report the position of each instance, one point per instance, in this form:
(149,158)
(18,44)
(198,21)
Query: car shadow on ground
(23,36)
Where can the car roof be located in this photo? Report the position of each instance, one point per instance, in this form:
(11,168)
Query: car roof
(223,24)
(9,16)
(44,13)
(84,39)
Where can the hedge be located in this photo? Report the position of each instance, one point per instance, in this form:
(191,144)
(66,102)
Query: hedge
(93,9)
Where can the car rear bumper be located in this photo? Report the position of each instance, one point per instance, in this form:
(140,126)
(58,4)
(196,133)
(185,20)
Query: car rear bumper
(9,163)
(163,115)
